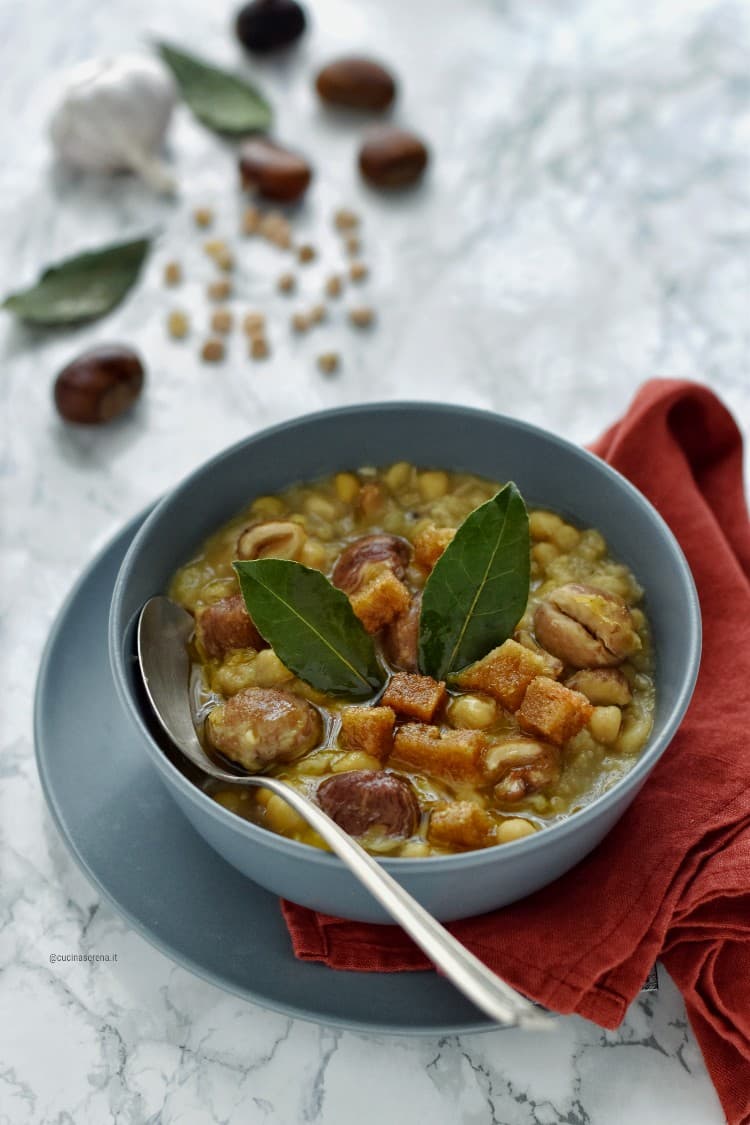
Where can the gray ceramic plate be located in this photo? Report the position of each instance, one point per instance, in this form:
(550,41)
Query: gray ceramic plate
(132,841)
(144,857)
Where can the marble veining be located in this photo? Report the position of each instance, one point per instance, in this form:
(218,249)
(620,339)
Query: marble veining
(585,225)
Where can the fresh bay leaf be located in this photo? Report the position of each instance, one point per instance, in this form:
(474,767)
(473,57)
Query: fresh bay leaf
(479,587)
(220,100)
(311,626)
(83,287)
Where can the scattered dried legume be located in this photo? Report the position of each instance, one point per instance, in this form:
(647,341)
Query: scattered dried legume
(172,273)
(203,217)
(328,362)
(212,350)
(253,323)
(219,290)
(333,286)
(222,321)
(178,324)
(251,219)
(259,348)
(362,316)
(344,219)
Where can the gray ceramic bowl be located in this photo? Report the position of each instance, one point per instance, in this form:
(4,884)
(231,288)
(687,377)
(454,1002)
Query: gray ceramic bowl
(550,472)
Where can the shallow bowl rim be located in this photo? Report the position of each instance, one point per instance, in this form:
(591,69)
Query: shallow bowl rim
(409,865)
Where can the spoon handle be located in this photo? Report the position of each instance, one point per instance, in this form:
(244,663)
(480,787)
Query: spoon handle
(163,632)
(483,987)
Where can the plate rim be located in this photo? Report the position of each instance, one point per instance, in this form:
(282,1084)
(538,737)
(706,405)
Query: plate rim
(125,533)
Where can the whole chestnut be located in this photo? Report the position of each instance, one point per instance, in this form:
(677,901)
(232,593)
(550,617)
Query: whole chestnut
(357,83)
(266,25)
(273,171)
(362,799)
(99,384)
(392,158)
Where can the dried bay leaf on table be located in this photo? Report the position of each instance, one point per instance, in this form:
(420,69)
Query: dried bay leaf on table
(219,99)
(83,287)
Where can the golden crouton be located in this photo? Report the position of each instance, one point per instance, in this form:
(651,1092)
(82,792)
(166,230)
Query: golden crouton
(450,754)
(461,824)
(415,696)
(553,712)
(429,544)
(369,729)
(504,673)
(380,599)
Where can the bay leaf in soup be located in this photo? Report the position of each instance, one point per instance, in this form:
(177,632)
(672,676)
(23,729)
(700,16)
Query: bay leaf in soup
(478,589)
(311,627)
(221,101)
(83,287)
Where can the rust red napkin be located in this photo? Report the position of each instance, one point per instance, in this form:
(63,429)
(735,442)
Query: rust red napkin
(585,943)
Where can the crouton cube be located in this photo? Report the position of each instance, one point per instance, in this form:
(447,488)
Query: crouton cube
(380,599)
(368,729)
(552,711)
(505,673)
(453,755)
(429,544)
(461,824)
(415,696)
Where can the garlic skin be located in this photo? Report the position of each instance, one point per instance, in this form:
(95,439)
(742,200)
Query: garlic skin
(114,115)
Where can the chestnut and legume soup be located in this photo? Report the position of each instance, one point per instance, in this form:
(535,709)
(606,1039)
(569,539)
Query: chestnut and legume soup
(534,730)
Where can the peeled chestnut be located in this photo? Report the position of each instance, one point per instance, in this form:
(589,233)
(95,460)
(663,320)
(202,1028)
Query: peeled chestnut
(586,627)
(226,625)
(274,539)
(99,385)
(273,171)
(392,158)
(357,83)
(258,727)
(266,25)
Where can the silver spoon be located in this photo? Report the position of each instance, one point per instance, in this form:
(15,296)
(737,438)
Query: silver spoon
(164,630)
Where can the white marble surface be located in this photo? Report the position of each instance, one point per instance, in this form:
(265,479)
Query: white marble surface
(586,224)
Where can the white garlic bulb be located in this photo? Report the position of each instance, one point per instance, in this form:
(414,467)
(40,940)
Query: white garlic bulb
(113,115)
